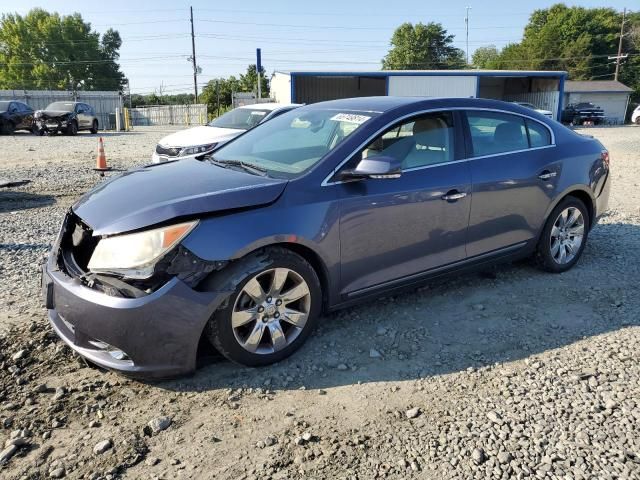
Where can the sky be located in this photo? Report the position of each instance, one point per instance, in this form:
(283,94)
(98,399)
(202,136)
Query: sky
(293,34)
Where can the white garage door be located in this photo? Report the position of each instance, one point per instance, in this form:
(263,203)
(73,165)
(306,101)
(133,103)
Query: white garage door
(433,86)
(613,104)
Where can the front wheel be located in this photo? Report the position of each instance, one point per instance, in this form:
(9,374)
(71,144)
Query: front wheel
(564,236)
(8,128)
(72,128)
(275,304)
(94,127)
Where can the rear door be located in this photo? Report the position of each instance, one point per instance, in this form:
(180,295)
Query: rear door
(515,172)
(393,229)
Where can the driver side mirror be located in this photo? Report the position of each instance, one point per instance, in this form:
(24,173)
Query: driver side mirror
(374,167)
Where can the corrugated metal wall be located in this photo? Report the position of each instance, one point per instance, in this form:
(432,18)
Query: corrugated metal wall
(433,86)
(169,115)
(544,100)
(104,103)
(311,89)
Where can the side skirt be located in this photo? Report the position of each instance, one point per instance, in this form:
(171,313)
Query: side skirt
(503,255)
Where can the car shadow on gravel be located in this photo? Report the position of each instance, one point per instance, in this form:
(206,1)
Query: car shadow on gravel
(13,201)
(509,313)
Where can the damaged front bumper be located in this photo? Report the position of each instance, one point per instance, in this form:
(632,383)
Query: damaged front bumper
(153,332)
(152,336)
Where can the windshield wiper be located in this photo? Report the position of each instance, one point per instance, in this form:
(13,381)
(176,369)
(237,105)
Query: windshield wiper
(249,167)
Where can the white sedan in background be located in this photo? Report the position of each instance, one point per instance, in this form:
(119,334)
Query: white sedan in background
(198,141)
(546,113)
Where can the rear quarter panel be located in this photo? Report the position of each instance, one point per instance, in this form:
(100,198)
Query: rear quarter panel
(583,169)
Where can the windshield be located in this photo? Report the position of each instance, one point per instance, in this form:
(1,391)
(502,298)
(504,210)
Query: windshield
(293,142)
(4,106)
(61,106)
(240,118)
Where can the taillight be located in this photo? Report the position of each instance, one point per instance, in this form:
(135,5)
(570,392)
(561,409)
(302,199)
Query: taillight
(604,155)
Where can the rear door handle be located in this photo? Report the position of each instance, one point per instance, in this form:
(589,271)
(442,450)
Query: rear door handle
(453,195)
(546,175)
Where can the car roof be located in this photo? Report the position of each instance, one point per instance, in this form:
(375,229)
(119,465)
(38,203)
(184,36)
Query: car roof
(270,106)
(386,103)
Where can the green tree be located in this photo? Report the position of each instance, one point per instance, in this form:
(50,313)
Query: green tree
(249,81)
(43,50)
(485,57)
(422,46)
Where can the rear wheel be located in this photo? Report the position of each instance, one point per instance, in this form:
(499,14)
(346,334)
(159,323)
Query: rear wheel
(94,127)
(274,306)
(564,236)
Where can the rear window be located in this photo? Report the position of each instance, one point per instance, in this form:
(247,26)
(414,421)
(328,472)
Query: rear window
(539,135)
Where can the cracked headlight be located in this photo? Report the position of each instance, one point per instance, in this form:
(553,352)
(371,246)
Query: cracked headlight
(134,255)
(198,149)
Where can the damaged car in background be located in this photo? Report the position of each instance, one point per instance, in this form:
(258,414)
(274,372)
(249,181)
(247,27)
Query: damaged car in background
(66,117)
(324,206)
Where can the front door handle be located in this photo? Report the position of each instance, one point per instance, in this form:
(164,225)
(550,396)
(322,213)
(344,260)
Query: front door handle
(453,195)
(546,175)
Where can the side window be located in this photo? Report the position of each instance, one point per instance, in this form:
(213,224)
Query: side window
(493,132)
(539,135)
(421,141)
(13,107)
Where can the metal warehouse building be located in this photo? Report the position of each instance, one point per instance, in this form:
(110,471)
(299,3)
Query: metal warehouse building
(610,95)
(541,88)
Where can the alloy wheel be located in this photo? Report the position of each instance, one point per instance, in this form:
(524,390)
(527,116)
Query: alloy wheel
(567,235)
(271,311)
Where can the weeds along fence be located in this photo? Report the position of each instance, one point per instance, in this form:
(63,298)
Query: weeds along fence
(103,102)
(169,115)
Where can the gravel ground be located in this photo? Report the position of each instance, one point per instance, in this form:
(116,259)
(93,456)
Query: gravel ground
(512,374)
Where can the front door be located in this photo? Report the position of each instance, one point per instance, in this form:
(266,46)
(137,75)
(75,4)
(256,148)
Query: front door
(515,173)
(391,229)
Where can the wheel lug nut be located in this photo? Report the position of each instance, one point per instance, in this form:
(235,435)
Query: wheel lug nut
(278,302)
(277,315)
(260,309)
(268,299)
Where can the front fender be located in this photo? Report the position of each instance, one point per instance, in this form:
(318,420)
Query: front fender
(314,226)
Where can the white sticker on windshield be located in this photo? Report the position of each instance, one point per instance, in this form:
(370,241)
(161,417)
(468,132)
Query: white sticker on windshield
(350,117)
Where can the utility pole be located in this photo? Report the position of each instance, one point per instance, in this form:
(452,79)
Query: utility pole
(193,60)
(466,23)
(218,96)
(258,68)
(620,56)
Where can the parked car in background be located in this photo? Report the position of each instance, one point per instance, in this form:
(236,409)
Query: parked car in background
(635,116)
(15,115)
(66,117)
(546,113)
(583,113)
(324,206)
(198,141)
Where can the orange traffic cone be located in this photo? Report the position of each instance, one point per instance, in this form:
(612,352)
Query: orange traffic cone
(101,161)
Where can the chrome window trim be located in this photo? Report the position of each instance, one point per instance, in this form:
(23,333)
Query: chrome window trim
(326,181)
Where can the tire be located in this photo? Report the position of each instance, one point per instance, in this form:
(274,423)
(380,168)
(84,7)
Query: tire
(72,128)
(549,252)
(638,121)
(261,268)
(94,127)
(8,128)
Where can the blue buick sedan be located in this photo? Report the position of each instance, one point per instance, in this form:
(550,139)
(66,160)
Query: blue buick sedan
(322,207)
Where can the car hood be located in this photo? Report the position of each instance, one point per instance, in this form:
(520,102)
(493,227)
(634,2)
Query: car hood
(158,193)
(199,136)
(55,113)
